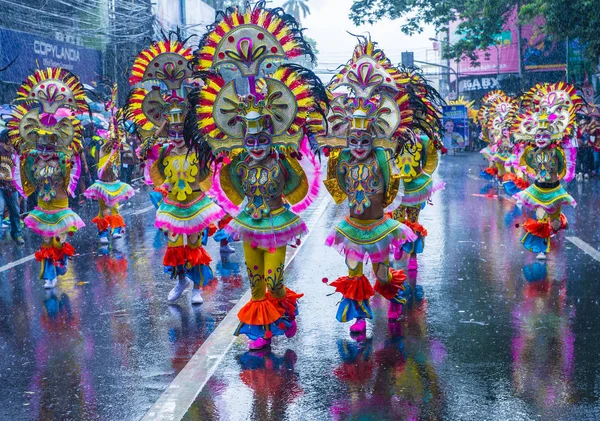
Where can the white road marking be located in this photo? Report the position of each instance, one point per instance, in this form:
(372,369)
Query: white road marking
(17,263)
(139,211)
(174,403)
(32,256)
(588,249)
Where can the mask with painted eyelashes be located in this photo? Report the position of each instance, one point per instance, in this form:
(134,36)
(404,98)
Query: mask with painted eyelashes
(543,139)
(45,149)
(360,144)
(258,145)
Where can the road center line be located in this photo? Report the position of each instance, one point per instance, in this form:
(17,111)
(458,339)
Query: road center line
(16,263)
(177,398)
(139,211)
(32,256)
(588,249)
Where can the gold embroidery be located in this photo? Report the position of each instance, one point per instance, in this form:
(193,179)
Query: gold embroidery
(392,190)
(301,189)
(334,190)
(232,193)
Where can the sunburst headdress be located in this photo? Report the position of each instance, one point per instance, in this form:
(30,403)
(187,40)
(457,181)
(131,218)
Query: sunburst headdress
(554,109)
(376,100)
(532,96)
(287,103)
(501,113)
(44,113)
(483,113)
(166,66)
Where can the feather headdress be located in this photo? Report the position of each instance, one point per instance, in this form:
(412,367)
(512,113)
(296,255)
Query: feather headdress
(46,104)
(288,103)
(388,103)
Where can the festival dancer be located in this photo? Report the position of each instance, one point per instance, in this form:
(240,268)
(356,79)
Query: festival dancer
(416,167)
(368,126)
(483,116)
(48,140)
(258,128)
(417,162)
(175,165)
(502,112)
(516,178)
(108,190)
(548,156)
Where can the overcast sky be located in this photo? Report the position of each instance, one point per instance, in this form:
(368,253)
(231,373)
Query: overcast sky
(328,23)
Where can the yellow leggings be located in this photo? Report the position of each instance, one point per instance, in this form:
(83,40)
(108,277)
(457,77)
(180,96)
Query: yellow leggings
(177,240)
(54,241)
(265,271)
(555,221)
(501,168)
(383,276)
(106,210)
(404,213)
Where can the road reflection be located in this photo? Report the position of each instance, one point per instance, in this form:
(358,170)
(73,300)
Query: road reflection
(543,344)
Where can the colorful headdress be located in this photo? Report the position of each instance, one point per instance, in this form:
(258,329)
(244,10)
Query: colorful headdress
(377,102)
(287,104)
(554,109)
(393,103)
(49,97)
(483,112)
(502,112)
(532,96)
(166,64)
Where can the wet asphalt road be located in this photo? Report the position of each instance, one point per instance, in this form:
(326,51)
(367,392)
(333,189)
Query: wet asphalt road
(497,337)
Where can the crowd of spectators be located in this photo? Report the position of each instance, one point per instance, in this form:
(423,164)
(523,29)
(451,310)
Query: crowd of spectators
(588,146)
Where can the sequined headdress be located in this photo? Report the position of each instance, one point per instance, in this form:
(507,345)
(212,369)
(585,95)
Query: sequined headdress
(387,103)
(44,112)
(484,111)
(554,108)
(501,113)
(165,65)
(532,96)
(248,89)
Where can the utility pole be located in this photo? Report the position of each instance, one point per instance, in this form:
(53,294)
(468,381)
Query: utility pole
(520,45)
(567,60)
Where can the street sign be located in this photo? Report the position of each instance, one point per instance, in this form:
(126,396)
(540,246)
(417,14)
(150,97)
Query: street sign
(408,59)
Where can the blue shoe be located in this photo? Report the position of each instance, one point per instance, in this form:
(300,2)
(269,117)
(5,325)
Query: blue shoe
(117,232)
(103,237)
(419,293)
(407,292)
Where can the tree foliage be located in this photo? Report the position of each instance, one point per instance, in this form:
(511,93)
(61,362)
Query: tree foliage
(297,8)
(481,20)
(568,18)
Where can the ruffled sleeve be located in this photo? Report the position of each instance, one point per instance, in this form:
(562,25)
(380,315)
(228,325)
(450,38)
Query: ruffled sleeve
(16,175)
(311,179)
(225,191)
(74,174)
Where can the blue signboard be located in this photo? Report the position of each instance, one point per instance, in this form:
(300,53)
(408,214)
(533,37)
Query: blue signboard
(32,51)
(456,127)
